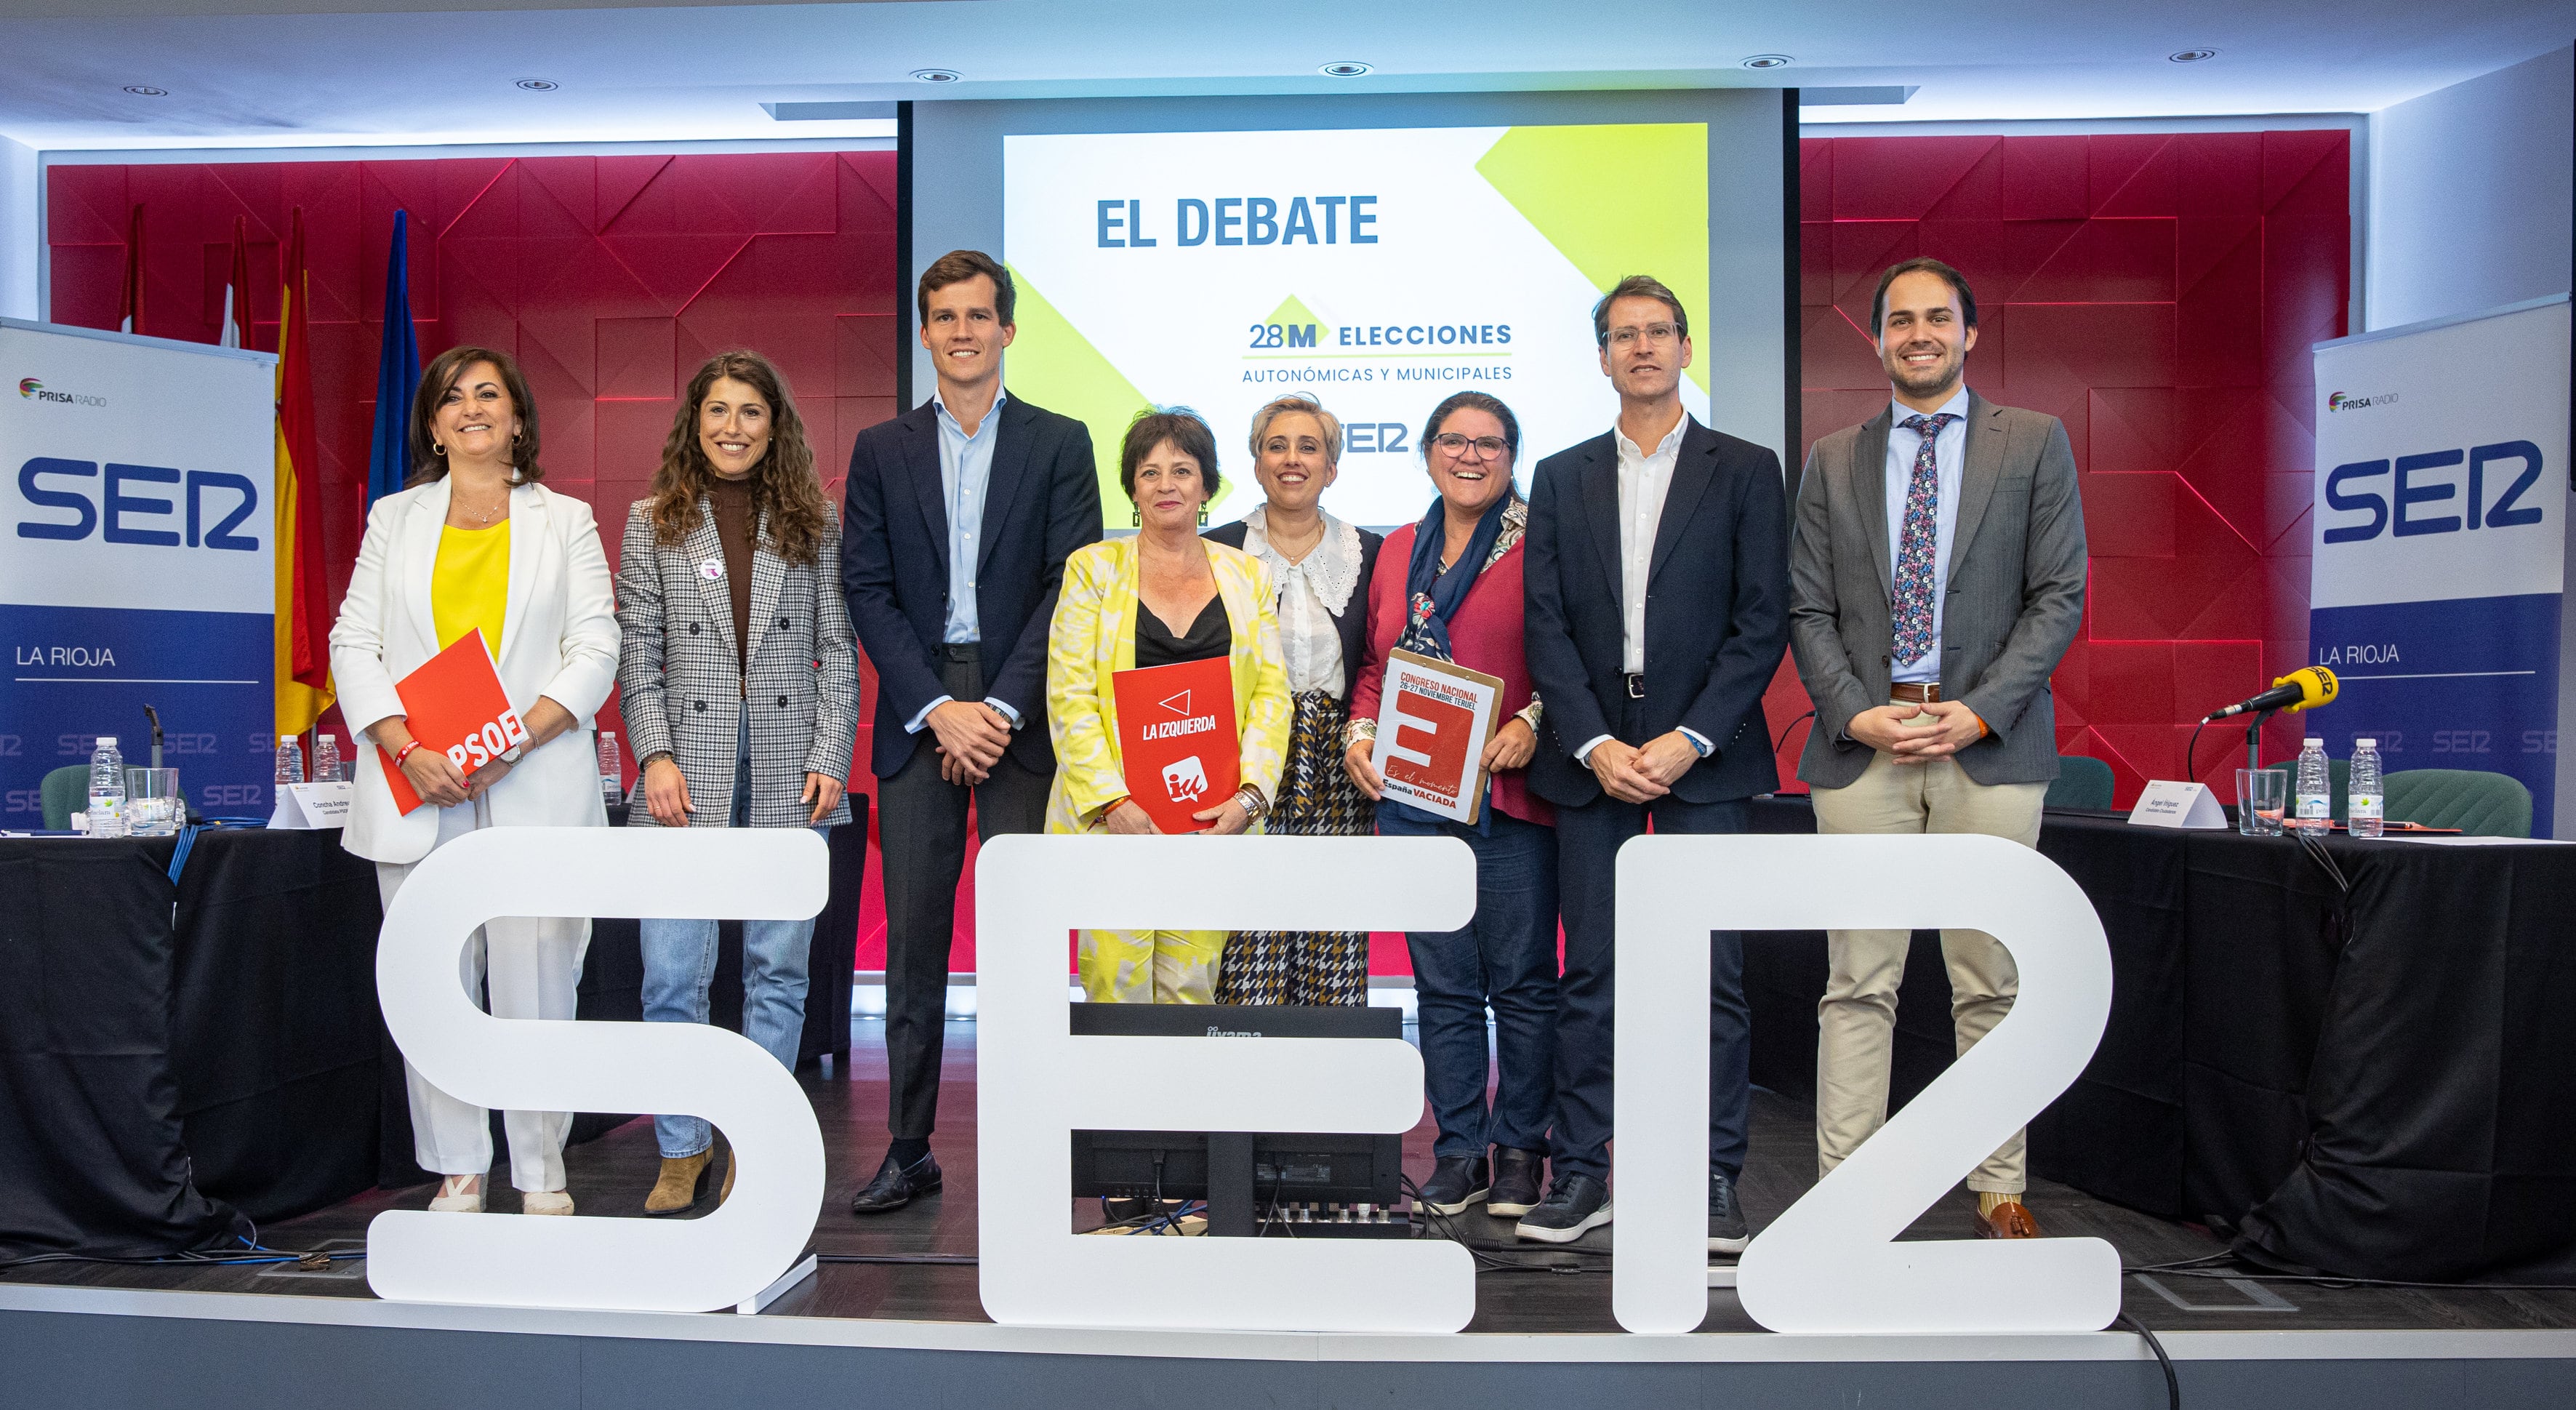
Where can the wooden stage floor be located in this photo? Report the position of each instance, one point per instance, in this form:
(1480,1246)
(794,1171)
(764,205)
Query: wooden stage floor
(609,1177)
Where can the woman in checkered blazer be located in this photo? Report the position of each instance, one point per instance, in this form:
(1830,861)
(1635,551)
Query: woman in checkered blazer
(740,687)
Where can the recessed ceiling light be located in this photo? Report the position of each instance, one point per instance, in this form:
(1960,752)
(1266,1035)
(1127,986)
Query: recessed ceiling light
(1769,61)
(937,75)
(145,90)
(2192,56)
(1345,68)
(539,85)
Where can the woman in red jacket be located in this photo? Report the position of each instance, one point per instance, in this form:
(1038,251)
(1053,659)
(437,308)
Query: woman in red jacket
(1457,597)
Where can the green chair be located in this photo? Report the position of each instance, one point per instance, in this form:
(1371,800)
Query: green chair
(66,791)
(2476,802)
(2081,782)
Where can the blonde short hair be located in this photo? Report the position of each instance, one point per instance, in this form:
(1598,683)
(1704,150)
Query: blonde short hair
(1332,424)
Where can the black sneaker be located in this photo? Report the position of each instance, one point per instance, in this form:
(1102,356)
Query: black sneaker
(1575,1205)
(1518,1177)
(1456,1182)
(1726,1231)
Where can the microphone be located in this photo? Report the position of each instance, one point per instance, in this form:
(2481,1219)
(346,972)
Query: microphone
(2301,689)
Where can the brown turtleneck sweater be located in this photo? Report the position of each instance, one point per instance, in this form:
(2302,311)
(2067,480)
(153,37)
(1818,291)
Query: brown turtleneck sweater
(735,525)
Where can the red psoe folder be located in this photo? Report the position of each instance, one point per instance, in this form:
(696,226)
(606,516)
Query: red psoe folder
(1176,740)
(455,704)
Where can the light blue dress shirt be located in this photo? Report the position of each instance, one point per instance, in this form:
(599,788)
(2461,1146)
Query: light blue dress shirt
(965,471)
(1949,460)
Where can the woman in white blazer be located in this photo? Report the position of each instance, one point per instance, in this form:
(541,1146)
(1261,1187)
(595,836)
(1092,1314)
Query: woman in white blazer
(477,544)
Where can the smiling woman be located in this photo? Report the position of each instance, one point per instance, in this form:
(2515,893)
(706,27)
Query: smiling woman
(506,557)
(740,682)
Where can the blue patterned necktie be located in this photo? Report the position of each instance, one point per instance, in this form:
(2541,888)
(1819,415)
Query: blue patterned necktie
(1911,603)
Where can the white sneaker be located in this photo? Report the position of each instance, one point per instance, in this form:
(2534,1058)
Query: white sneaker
(546,1202)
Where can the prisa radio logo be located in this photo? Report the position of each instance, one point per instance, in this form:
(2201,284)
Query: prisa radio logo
(35,390)
(2340,402)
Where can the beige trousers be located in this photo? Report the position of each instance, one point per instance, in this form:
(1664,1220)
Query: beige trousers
(1857,1018)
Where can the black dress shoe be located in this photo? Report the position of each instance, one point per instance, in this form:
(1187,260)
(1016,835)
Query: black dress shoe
(1518,1177)
(1575,1205)
(1726,1230)
(1456,1182)
(895,1186)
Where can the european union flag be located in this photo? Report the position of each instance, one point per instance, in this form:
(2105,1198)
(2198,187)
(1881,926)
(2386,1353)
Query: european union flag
(397,376)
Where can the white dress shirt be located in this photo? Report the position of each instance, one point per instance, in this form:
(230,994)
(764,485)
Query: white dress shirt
(1949,459)
(1311,590)
(1645,478)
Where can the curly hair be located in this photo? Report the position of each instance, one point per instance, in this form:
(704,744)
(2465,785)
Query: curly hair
(784,487)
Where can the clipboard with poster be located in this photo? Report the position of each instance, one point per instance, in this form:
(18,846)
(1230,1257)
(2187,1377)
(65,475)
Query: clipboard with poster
(1432,723)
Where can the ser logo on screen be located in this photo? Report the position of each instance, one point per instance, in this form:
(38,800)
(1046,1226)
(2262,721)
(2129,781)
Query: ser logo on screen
(214,509)
(2413,480)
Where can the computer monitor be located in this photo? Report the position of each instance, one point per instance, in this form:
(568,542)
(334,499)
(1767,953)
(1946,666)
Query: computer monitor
(1251,1170)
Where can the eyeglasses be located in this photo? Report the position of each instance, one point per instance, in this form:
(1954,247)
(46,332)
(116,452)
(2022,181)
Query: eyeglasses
(1456,446)
(1652,333)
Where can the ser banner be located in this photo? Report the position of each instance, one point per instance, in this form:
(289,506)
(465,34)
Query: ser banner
(2441,543)
(1376,270)
(134,488)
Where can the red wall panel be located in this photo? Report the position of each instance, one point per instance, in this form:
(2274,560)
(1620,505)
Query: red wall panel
(2158,293)
(610,279)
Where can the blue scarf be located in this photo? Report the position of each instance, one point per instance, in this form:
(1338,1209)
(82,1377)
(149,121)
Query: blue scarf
(1432,597)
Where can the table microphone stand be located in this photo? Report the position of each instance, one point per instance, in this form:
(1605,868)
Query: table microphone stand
(2254,740)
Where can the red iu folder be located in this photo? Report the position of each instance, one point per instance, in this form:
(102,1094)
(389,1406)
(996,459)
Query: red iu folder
(1176,740)
(455,704)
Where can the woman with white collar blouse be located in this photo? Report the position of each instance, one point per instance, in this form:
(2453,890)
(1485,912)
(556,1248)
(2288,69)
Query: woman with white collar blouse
(476,544)
(1320,568)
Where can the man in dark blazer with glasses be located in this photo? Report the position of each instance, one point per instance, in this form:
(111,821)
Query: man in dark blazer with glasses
(1658,589)
(960,515)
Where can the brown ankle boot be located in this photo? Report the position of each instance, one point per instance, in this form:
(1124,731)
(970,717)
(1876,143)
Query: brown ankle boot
(733,1162)
(683,1183)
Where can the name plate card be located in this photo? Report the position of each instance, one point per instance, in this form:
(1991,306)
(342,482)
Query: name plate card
(304,807)
(2167,803)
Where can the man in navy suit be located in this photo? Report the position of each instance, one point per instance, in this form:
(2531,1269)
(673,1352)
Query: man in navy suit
(1658,589)
(960,515)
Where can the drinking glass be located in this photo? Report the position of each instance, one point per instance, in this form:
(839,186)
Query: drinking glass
(153,804)
(2262,796)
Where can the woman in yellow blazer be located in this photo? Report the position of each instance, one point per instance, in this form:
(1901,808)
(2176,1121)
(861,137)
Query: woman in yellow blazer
(1159,598)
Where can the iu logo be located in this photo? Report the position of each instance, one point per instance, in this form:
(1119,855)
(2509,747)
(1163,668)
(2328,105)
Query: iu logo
(1185,779)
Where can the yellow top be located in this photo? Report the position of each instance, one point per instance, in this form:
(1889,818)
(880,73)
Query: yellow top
(470,587)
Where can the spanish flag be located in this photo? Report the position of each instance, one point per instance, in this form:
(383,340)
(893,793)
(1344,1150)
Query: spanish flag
(303,617)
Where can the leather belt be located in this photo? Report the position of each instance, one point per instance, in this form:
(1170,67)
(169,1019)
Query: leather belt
(1915,693)
(1636,687)
(961,651)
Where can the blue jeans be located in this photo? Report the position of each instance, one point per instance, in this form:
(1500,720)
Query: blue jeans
(680,962)
(1506,957)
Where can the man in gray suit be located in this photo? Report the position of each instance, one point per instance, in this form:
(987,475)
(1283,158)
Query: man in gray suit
(1936,578)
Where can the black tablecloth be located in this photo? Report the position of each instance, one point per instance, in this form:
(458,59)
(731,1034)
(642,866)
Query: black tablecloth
(2374,1085)
(91,1155)
(178,1061)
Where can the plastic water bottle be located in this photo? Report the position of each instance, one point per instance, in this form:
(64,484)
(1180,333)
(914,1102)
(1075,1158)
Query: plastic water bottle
(326,759)
(609,792)
(2366,806)
(107,789)
(2314,788)
(290,761)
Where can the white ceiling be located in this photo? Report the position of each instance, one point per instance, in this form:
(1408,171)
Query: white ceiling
(283,72)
